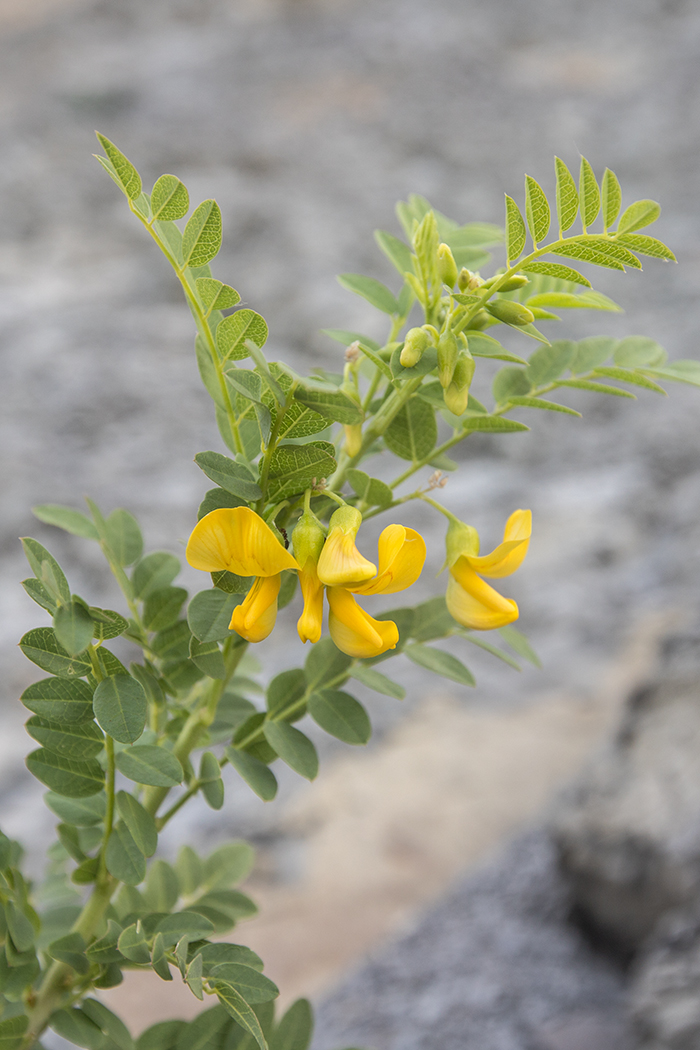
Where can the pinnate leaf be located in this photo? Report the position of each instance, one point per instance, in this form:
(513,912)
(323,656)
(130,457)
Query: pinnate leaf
(612,197)
(515,230)
(589,194)
(638,215)
(567,196)
(201,238)
(536,210)
(169,199)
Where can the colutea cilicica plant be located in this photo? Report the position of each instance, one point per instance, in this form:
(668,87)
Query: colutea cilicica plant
(122,749)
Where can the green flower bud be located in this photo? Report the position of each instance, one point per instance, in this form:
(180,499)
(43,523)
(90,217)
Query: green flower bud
(457,394)
(510,312)
(463,279)
(417,341)
(518,280)
(479,320)
(308,538)
(447,267)
(447,354)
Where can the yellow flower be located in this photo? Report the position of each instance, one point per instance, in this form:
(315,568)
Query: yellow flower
(470,600)
(341,564)
(308,539)
(239,541)
(401,557)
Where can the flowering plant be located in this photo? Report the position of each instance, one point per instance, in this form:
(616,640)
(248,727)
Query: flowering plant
(122,749)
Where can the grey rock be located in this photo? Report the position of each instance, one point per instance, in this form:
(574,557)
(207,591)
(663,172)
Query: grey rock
(629,831)
(493,966)
(664,998)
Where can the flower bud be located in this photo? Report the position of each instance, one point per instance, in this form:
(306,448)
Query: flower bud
(510,312)
(308,538)
(417,341)
(518,280)
(447,353)
(463,279)
(447,267)
(457,394)
(479,320)
(353,438)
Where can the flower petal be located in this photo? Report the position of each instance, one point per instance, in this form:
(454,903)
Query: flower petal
(238,540)
(474,603)
(255,617)
(509,555)
(311,620)
(401,558)
(341,564)
(354,631)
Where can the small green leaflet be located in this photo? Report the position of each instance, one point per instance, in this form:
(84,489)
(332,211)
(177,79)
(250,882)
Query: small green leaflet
(228,475)
(439,662)
(207,656)
(332,405)
(376,680)
(72,741)
(238,1008)
(120,168)
(253,985)
(169,199)
(634,351)
(124,860)
(589,194)
(608,246)
(638,215)
(201,238)
(567,197)
(72,521)
(598,388)
(293,747)
(324,664)
(149,764)
(162,608)
(612,197)
(492,424)
(233,331)
(255,773)
(412,434)
(515,230)
(120,708)
(73,626)
(66,776)
(679,371)
(585,253)
(83,813)
(139,822)
(60,700)
(293,468)
(578,301)
(46,569)
(519,644)
(548,363)
(372,491)
(42,648)
(539,402)
(588,353)
(11,1031)
(397,252)
(509,381)
(629,376)
(644,245)
(155,571)
(209,614)
(536,210)
(215,295)
(296,1027)
(341,715)
(373,291)
(556,270)
(107,624)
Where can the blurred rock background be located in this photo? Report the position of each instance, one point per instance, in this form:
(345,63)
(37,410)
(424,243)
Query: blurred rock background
(307,121)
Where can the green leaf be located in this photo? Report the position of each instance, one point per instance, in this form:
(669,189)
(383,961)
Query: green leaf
(169,199)
(591,352)
(372,491)
(294,467)
(124,860)
(481,644)
(509,382)
(214,954)
(11,1031)
(492,425)
(104,950)
(161,1036)
(72,741)
(183,924)
(255,773)
(638,215)
(216,499)
(548,363)
(431,620)
(612,247)
(228,865)
(284,690)
(377,681)
(586,253)
(120,707)
(567,196)
(71,950)
(629,376)
(228,475)
(161,893)
(238,1008)
(83,813)
(201,238)
(515,230)
(612,197)
(589,194)
(189,870)
(149,764)
(210,779)
(66,776)
(325,663)
(293,747)
(637,351)
(204,1032)
(46,569)
(483,345)
(114,1028)
(427,363)
(40,594)
(341,715)
(397,252)
(536,210)
(209,614)
(540,402)
(679,371)
(42,647)
(193,977)
(109,664)
(152,573)
(215,295)
(132,942)
(333,405)
(120,168)
(580,301)
(162,608)
(412,434)
(207,656)
(232,332)
(139,822)
(107,624)
(124,536)
(439,662)
(373,291)
(60,700)
(72,1024)
(556,270)
(295,1029)
(65,518)
(643,245)
(249,982)
(598,388)
(230,583)
(19,926)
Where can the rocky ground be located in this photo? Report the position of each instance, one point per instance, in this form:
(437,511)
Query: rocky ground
(307,121)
